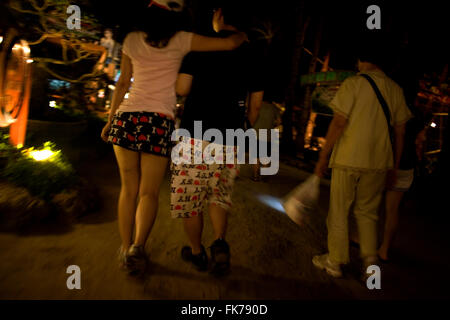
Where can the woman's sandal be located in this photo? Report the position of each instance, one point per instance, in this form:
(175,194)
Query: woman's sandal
(137,261)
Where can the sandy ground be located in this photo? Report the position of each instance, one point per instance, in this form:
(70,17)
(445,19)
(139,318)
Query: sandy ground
(271,256)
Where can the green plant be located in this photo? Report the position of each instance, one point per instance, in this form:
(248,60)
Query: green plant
(44,172)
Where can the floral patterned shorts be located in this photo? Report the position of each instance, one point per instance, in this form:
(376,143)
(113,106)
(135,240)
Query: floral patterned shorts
(193,186)
(147,132)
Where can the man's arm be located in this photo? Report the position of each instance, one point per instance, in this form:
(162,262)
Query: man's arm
(254,106)
(337,127)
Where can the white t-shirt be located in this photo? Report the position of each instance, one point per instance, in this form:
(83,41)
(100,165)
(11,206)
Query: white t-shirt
(155,72)
(365,143)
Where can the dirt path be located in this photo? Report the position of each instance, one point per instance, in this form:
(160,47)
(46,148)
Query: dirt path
(271,256)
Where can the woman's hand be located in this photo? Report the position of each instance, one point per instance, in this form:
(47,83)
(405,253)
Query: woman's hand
(105,131)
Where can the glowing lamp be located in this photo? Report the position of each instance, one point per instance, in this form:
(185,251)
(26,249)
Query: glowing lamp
(41,155)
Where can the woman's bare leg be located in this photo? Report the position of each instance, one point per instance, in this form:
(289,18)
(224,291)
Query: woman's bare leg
(393,199)
(194,227)
(219,220)
(128,162)
(153,170)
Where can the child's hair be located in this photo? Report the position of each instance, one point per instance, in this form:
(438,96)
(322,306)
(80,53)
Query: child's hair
(161,25)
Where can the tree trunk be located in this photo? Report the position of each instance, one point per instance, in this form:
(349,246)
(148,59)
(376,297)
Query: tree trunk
(307,101)
(287,142)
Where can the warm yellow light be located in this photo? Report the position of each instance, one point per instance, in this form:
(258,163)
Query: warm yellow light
(41,155)
(26,49)
(30,60)
(19,146)
(433,125)
(1,39)
(52,104)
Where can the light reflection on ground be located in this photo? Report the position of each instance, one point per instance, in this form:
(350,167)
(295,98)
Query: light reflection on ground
(271,202)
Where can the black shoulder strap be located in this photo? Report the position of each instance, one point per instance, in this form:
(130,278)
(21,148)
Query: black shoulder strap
(383,103)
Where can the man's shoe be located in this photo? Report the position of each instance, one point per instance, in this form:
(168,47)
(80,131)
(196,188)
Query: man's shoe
(220,257)
(137,260)
(324,263)
(199,261)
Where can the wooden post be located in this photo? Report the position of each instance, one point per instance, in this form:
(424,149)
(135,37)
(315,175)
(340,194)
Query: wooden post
(18,130)
(301,27)
(307,101)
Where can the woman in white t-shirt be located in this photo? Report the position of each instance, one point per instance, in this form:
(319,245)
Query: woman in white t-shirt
(141,126)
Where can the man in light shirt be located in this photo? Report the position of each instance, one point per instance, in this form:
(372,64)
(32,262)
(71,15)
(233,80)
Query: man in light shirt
(363,159)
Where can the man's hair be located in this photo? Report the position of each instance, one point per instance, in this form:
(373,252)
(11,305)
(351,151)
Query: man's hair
(234,13)
(374,48)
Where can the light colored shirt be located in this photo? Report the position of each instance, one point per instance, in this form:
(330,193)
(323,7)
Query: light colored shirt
(365,142)
(109,45)
(155,73)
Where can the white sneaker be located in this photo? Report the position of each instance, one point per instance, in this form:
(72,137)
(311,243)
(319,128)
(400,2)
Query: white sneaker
(324,263)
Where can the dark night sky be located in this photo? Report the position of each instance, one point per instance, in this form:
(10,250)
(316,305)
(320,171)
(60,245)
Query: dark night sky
(424,22)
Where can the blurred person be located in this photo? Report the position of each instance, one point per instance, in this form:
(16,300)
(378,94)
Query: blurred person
(364,159)
(140,127)
(415,133)
(217,86)
(112,52)
(266,120)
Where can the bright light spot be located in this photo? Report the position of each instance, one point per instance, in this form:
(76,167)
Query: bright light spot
(19,146)
(7,120)
(101,94)
(127,95)
(52,104)
(41,155)
(111,87)
(433,125)
(1,39)
(26,50)
(30,60)
(271,202)
(17,46)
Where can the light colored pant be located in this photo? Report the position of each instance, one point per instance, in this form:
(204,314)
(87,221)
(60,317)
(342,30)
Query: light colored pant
(363,190)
